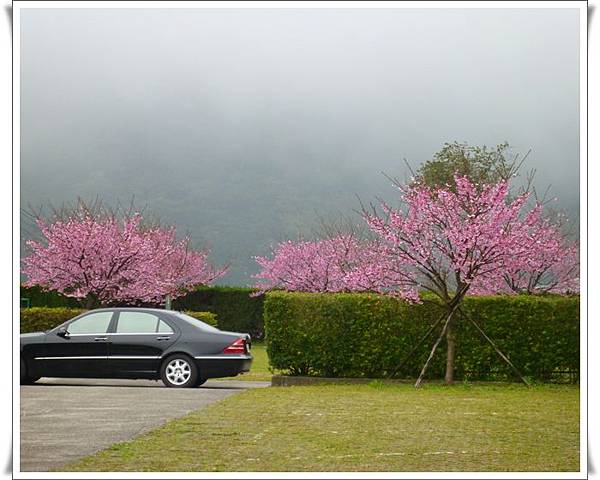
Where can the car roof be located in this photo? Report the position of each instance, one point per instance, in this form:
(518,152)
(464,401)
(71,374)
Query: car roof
(125,309)
(173,315)
(156,311)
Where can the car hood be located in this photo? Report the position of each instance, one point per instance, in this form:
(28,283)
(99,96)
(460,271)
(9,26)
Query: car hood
(32,337)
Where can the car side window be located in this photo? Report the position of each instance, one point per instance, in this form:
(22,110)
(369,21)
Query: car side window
(163,327)
(93,323)
(137,322)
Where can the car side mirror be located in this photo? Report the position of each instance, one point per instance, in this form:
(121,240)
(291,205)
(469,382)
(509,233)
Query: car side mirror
(62,332)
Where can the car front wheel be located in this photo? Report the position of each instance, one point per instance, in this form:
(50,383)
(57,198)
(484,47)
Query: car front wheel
(200,381)
(26,379)
(179,371)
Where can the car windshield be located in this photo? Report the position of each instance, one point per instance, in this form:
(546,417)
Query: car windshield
(195,322)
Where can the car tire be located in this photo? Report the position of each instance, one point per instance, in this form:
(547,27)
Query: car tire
(23,371)
(25,379)
(30,380)
(179,371)
(200,381)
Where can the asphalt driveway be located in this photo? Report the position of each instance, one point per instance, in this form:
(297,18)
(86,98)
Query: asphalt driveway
(65,419)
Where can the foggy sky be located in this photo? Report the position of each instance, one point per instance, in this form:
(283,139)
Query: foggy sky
(243,126)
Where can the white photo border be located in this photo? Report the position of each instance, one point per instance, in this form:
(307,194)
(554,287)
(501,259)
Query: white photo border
(581,5)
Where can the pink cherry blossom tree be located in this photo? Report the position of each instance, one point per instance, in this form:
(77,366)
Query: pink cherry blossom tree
(555,268)
(552,265)
(308,266)
(93,255)
(448,241)
(468,239)
(340,263)
(552,268)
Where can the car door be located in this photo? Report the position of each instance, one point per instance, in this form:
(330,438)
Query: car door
(138,341)
(82,351)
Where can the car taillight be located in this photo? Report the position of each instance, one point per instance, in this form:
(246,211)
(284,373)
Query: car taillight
(239,346)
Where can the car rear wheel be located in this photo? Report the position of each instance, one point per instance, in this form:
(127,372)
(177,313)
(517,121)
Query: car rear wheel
(179,371)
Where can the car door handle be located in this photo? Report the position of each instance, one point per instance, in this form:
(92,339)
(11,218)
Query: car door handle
(100,339)
(163,338)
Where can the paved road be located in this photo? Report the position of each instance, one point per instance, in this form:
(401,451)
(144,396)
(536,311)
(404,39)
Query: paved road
(65,419)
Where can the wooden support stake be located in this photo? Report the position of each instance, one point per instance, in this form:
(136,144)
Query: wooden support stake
(435,345)
(429,332)
(498,351)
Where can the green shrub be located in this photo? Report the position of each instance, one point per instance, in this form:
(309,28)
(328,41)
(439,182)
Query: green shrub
(367,335)
(206,317)
(38,319)
(36,297)
(235,308)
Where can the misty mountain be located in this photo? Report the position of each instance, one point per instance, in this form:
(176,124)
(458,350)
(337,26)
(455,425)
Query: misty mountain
(243,127)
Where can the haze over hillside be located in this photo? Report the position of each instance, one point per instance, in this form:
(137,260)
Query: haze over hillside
(243,126)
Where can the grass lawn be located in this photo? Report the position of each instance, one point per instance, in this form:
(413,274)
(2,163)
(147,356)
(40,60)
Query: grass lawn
(371,427)
(260,366)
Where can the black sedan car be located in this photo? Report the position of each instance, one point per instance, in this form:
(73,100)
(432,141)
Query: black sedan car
(135,343)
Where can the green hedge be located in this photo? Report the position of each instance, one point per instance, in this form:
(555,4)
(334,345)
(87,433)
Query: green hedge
(206,317)
(38,319)
(36,297)
(366,335)
(235,307)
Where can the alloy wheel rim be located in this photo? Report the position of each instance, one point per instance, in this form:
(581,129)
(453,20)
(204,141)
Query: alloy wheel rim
(178,371)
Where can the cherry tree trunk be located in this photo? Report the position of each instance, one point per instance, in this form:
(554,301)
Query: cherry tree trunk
(451,352)
(90,302)
(445,329)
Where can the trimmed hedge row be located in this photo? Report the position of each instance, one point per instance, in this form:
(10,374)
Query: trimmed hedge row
(206,317)
(235,307)
(38,319)
(38,298)
(366,335)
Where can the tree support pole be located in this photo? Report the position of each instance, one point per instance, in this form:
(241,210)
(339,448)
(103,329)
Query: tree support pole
(498,351)
(435,345)
(425,337)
